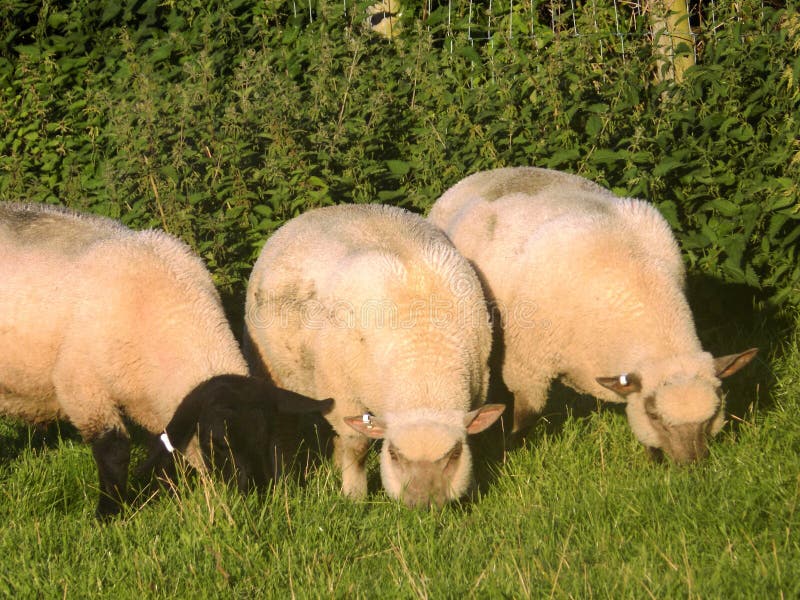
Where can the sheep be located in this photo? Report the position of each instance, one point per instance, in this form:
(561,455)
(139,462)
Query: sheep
(372,306)
(589,287)
(98,321)
(235,418)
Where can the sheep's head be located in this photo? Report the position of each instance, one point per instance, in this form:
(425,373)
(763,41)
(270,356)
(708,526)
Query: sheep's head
(426,460)
(675,416)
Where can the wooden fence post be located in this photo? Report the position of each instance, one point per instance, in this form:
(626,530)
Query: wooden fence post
(670,24)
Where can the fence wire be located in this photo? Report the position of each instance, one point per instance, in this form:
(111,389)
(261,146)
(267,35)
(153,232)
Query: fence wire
(490,21)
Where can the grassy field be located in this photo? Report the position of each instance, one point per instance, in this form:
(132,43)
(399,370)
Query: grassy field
(575,510)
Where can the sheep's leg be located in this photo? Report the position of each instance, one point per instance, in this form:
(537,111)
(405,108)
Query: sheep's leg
(529,402)
(89,407)
(112,453)
(528,378)
(350,454)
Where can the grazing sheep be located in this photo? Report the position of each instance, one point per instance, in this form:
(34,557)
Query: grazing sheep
(588,285)
(372,306)
(98,321)
(235,419)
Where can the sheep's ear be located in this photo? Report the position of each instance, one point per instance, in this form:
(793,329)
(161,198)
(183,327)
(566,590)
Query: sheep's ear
(481,418)
(367,425)
(728,365)
(630,383)
(292,403)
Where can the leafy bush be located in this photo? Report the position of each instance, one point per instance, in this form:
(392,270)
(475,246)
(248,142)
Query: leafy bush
(217,121)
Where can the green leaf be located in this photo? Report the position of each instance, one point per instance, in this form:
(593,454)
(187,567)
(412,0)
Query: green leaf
(725,207)
(161,53)
(782,201)
(29,51)
(750,277)
(170,173)
(470,53)
(741,134)
(669,211)
(600,108)
(668,164)
(563,157)
(594,125)
(398,168)
(317,182)
(263,210)
(390,195)
(110,11)
(57,19)
(607,156)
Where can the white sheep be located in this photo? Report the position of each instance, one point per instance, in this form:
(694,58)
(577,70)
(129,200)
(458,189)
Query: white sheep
(372,306)
(589,287)
(98,321)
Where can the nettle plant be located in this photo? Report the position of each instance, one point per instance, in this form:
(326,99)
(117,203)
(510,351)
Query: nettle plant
(219,121)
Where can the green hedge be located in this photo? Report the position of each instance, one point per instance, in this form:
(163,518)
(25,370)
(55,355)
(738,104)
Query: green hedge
(217,121)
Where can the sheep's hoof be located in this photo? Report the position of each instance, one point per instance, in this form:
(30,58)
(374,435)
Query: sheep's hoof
(107,508)
(656,454)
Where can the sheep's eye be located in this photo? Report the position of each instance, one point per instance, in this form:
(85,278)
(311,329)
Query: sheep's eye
(455,453)
(650,409)
(453,456)
(654,416)
(393,454)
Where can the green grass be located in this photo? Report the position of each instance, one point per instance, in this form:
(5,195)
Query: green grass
(575,511)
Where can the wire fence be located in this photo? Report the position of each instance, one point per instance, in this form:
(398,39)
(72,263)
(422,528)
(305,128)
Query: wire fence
(616,22)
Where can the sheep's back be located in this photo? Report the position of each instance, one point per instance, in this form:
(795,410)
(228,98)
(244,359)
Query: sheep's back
(53,227)
(574,261)
(372,275)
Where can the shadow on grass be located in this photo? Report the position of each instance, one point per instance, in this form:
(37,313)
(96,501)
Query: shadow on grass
(731,318)
(305,442)
(17,437)
(491,446)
